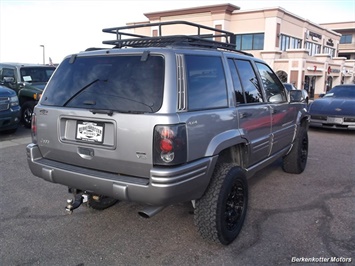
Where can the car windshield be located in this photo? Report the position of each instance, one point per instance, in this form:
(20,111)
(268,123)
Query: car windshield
(36,74)
(126,83)
(342,92)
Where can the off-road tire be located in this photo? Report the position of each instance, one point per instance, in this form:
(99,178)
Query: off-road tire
(98,202)
(26,113)
(296,160)
(220,213)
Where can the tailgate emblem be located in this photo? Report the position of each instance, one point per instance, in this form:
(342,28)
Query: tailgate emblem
(43,112)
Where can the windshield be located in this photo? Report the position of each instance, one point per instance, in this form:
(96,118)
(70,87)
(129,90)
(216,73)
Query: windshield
(342,92)
(117,83)
(36,74)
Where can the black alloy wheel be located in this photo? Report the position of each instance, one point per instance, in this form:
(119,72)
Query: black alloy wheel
(221,211)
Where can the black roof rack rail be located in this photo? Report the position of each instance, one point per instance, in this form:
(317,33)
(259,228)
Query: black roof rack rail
(227,39)
(94,49)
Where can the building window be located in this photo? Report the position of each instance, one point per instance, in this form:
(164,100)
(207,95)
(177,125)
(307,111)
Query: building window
(348,56)
(253,41)
(346,38)
(328,50)
(288,42)
(312,48)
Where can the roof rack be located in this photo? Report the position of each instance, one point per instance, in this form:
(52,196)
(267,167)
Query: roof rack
(208,40)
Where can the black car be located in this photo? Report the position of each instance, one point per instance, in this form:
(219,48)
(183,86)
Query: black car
(335,109)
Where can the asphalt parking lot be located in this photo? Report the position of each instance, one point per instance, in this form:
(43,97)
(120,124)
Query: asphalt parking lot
(291,218)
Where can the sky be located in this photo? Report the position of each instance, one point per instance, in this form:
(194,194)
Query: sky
(66,27)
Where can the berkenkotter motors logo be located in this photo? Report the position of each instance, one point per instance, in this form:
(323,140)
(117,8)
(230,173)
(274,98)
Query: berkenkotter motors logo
(321,260)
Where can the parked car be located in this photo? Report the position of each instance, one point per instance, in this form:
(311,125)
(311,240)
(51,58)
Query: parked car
(10,111)
(304,94)
(336,109)
(28,80)
(167,119)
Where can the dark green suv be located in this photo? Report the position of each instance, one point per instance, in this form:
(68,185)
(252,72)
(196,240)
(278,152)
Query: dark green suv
(28,80)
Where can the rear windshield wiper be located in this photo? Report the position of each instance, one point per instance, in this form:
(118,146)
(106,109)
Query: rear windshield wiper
(80,91)
(110,112)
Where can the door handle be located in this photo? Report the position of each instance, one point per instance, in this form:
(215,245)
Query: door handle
(245,115)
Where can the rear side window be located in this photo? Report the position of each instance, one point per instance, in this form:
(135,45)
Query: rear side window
(239,94)
(206,82)
(118,83)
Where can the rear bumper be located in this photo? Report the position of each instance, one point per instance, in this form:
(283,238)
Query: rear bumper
(164,186)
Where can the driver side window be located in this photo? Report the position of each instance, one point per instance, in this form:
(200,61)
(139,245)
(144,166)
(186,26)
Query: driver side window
(273,87)
(7,72)
(7,77)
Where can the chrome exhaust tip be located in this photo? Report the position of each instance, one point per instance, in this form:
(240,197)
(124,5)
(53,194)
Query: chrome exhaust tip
(150,211)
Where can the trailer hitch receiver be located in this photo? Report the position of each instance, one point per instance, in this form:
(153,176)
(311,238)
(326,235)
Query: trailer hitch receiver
(73,204)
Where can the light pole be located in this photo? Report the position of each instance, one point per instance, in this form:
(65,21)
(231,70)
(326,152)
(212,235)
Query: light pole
(44,55)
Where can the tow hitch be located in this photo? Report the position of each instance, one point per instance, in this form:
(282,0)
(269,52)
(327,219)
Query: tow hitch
(79,198)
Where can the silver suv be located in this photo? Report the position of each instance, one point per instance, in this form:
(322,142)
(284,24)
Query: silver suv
(170,119)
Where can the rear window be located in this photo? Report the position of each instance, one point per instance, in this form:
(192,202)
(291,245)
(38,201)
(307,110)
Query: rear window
(117,83)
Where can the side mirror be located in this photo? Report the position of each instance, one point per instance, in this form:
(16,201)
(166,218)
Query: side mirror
(296,96)
(321,95)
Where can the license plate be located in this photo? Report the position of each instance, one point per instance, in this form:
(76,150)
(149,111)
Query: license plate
(335,120)
(90,131)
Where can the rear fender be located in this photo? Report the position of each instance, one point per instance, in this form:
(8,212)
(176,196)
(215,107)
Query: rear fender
(223,141)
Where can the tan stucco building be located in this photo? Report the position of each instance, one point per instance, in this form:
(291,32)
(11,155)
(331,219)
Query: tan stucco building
(300,51)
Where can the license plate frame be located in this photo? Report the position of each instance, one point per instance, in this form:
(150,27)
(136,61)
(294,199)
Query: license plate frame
(90,131)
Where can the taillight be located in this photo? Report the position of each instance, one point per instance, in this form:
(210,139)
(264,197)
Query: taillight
(34,129)
(170,144)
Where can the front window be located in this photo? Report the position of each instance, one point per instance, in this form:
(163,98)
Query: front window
(253,41)
(6,73)
(272,85)
(118,83)
(36,74)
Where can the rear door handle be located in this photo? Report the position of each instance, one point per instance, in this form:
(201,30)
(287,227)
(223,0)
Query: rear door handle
(245,115)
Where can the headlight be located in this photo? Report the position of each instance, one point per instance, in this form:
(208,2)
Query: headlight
(13,101)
